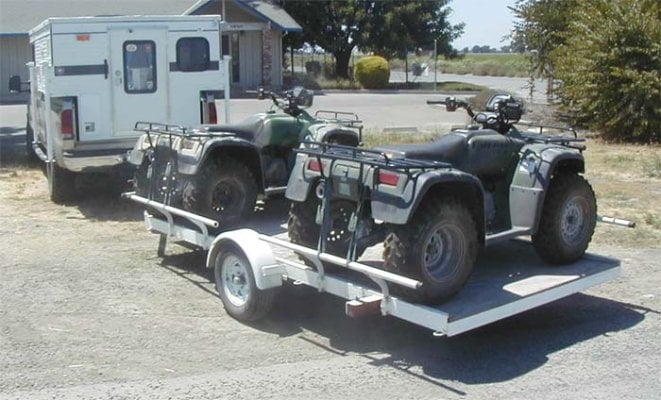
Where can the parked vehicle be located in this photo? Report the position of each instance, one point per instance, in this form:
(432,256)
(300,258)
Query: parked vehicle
(92,78)
(219,171)
(435,205)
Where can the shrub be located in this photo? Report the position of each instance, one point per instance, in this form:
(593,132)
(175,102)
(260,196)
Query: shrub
(610,68)
(372,72)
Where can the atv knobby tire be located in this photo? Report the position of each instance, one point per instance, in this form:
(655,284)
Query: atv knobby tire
(225,191)
(437,247)
(568,220)
(303,229)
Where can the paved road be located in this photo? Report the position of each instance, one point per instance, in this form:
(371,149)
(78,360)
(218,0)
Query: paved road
(518,86)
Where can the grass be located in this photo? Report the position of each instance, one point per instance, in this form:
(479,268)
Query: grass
(489,64)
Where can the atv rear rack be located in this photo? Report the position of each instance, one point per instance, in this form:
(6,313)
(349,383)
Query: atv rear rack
(540,137)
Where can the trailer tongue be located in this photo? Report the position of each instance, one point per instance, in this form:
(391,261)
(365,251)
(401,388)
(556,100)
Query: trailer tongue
(249,266)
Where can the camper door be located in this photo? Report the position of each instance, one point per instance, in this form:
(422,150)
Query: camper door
(139,77)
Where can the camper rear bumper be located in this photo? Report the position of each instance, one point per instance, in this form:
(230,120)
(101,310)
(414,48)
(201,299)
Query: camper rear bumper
(94,160)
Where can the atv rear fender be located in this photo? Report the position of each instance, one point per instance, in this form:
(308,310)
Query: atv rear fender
(399,208)
(333,134)
(537,165)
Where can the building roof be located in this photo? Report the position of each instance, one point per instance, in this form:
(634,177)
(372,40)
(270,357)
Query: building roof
(272,13)
(19,16)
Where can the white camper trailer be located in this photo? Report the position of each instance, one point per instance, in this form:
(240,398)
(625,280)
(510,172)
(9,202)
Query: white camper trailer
(93,78)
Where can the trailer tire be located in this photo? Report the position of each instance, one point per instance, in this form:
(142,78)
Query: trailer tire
(61,183)
(568,220)
(225,191)
(141,179)
(438,247)
(303,229)
(235,283)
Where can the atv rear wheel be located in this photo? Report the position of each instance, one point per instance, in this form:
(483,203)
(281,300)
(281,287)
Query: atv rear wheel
(224,191)
(568,220)
(437,247)
(303,229)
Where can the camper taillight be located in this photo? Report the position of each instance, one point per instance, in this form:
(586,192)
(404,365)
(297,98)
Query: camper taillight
(66,124)
(213,115)
(209,114)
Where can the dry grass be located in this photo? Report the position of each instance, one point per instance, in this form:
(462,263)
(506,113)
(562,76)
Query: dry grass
(627,181)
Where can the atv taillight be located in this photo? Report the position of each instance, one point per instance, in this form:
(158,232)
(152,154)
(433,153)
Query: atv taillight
(314,165)
(66,124)
(388,178)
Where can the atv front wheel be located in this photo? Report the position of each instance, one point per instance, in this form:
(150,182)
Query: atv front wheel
(437,247)
(224,191)
(568,220)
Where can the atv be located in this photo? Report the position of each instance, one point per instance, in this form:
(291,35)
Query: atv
(435,205)
(219,171)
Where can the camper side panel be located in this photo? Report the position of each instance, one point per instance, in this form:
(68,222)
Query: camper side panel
(195,68)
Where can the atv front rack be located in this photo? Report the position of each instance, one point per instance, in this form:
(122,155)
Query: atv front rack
(541,137)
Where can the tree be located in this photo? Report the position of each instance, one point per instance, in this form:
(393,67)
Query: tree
(540,26)
(384,27)
(610,68)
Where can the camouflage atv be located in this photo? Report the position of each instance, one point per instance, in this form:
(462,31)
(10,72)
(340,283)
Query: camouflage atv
(435,205)
(219,171)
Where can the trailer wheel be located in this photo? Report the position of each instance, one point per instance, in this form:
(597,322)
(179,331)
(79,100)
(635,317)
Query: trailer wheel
(303,229)
(61,183)
(224,191)
(437,247)
(235,283)
(141,179)
(568,220)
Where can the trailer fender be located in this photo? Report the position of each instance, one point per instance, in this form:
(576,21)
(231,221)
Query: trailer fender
(399,208)
(537,165)
(267,272)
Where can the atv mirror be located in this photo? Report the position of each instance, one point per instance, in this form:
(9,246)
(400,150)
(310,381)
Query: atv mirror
(451,104)
(303,96)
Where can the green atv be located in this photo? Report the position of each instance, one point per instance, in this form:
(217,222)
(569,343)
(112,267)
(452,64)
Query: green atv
(219,171)
(435,205)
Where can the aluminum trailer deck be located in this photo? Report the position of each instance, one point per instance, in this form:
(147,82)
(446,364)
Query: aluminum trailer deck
(508,280)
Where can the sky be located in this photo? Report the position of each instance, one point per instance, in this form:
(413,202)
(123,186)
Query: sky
(487,21)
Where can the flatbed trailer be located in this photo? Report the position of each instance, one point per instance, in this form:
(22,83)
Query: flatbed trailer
(249,267)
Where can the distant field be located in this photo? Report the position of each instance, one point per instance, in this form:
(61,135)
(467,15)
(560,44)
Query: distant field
(492,64)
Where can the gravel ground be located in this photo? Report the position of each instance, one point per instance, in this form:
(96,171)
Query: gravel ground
(88,311)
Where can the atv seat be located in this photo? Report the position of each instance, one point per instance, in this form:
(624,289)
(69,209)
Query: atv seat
(449,148)
(246,130)
(480,152)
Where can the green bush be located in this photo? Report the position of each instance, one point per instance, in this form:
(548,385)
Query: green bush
(372,72)
(610,68)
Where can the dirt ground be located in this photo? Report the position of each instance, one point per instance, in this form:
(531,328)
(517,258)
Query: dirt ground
(88,311)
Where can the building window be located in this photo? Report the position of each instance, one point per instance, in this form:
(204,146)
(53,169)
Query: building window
(140,66)
(192,54)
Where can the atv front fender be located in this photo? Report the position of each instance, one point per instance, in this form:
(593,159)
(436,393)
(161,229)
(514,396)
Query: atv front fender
(537,165)
(399,208)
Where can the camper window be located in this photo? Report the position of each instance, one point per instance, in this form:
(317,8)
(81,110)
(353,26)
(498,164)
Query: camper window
(140,66)
(192,54)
